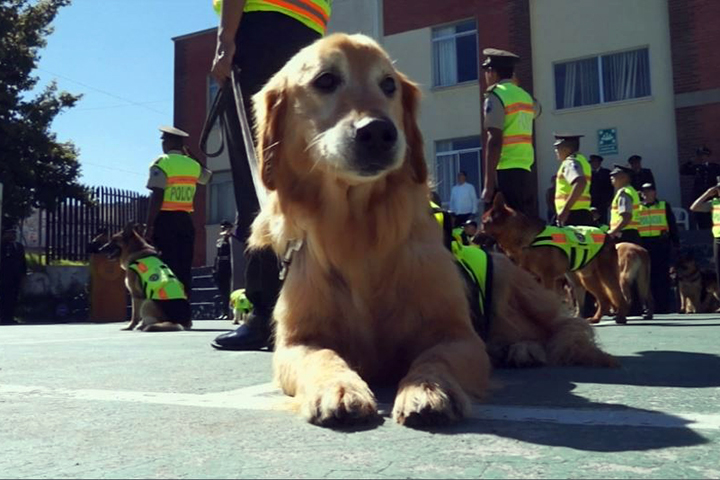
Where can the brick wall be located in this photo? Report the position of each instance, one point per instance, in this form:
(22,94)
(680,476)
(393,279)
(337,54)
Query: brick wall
(694,27)
(193,60)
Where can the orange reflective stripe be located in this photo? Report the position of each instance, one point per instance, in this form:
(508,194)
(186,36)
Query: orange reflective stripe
(652,228)
(517,139)
(561,196)
(559,238)
(142,267)
(519,107)
(320,20)
(173,206)
(180,180)
(597,238)
(162,294)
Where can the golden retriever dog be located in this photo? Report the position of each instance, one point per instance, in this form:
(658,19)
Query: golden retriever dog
(371,294)
(148,314)
(515,234)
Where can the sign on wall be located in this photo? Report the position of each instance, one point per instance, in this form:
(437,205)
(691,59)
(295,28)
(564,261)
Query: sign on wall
(607,141)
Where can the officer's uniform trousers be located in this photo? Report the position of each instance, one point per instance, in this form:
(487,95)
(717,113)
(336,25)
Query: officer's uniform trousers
(174,237)
(660,250)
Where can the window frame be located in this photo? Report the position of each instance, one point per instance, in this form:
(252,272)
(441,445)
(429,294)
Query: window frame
(456,154)
(433,40)
(601,83)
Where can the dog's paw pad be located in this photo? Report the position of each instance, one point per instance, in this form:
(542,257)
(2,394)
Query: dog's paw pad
(430,405)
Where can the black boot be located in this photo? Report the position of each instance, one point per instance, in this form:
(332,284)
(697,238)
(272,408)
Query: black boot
(254,334)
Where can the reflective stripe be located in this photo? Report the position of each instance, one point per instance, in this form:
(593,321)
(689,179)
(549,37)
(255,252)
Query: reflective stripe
(515,139)
(653,220)
(716,217)
(580,244)
(616,218)
(520,107)
(181,181)
(158,282)
(175,206)
(313,13)
(182,174)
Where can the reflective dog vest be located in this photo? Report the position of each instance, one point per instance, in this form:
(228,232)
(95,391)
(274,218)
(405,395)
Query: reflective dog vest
(517,148)
(616,218)
(312,13)
(653,220)
(580,244)
(563,188)
(182,176)
(239,302)
(157,280)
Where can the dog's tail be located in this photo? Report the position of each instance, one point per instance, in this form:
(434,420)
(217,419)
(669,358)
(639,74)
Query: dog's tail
(164,327)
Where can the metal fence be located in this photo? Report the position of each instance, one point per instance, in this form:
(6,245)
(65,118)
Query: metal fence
(72,225)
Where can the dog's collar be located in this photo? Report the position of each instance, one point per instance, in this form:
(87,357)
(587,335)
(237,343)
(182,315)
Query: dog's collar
(292,247)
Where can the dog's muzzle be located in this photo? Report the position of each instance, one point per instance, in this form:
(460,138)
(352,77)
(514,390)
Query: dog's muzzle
(375,144)
(110,250)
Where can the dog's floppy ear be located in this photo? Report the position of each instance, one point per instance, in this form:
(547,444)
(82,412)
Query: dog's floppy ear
(415,148)
(498,201)
(269,105)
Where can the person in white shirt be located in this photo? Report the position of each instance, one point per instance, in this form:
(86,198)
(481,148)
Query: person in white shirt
(463,201)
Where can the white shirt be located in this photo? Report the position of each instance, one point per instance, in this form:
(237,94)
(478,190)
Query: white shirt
(463,199)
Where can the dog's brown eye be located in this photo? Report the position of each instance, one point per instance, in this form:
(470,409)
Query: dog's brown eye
(388,86)
(327,82)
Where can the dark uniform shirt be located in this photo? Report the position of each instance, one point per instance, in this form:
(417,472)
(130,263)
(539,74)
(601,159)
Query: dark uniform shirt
(705,175)
(12,266)
(601,189)
(642,177)
(222,257)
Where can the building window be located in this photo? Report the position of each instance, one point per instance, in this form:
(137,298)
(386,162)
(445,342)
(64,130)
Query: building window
(603,79)
(222,198)
(455,54)
(453,156)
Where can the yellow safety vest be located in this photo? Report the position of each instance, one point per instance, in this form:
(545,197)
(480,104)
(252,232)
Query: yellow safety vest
(563,188)
(517,149)
(157,280)
(182,176)
(239,301)
(716,217)
(653,220)
(312,13)
(616,218)
(580,244)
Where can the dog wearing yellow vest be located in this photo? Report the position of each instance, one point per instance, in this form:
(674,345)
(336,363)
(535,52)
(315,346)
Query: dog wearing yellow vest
(159,302)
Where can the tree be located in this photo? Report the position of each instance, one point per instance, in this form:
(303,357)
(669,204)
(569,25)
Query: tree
(36,170)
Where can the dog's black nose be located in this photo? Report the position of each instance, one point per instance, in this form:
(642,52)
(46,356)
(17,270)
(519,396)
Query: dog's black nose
(375,139)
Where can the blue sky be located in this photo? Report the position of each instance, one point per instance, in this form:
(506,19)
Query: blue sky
(119,55)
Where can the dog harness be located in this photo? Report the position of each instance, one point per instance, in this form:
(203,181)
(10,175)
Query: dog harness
(580,244)
(476,268)
(239,301)
(157,280)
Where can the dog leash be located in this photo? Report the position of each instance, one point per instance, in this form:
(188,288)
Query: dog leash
(221,99)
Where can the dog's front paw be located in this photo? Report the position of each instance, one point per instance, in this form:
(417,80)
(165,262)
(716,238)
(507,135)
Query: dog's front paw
(340,403)
(127,327)
(430,403)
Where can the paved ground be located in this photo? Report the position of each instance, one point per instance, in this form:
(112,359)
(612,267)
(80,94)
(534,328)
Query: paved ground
(90,401)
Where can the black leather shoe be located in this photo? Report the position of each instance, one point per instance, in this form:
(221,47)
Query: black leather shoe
(244,338)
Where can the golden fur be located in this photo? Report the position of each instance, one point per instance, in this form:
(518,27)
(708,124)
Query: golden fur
(634,262)
(372,294)
(148,315)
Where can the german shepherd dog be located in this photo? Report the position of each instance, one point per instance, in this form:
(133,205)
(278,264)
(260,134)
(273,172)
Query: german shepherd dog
(128,246)
(515,232)
(699,292)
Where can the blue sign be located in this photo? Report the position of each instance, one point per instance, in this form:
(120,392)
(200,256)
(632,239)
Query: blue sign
(607,141)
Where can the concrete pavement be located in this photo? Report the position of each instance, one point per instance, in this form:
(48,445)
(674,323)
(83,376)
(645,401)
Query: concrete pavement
(89,401)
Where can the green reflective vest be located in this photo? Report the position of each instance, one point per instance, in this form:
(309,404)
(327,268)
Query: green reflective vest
(563,188)
(312,13)
(616,218)
(457,233)
(653,220)
(580,244)
(239,302)
(182,174)
(716,217)
(157,280)
(517,148)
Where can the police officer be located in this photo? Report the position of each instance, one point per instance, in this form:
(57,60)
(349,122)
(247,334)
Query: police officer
(174,177)
(572,182)
(625,207)
(509,112)
(222,269)
(709,202)
(259,37)
(13,268)
(601,189)
(659,234)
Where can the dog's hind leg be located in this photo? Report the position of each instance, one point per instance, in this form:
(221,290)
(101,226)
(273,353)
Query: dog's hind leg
(437,389)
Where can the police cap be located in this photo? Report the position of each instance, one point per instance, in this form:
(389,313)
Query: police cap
(562,137)
(471,222)
(226,224)
(172,131)
(499,58)
(617,169)
(647,186)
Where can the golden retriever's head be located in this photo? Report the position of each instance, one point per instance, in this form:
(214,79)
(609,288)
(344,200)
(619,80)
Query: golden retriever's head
(338,109)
